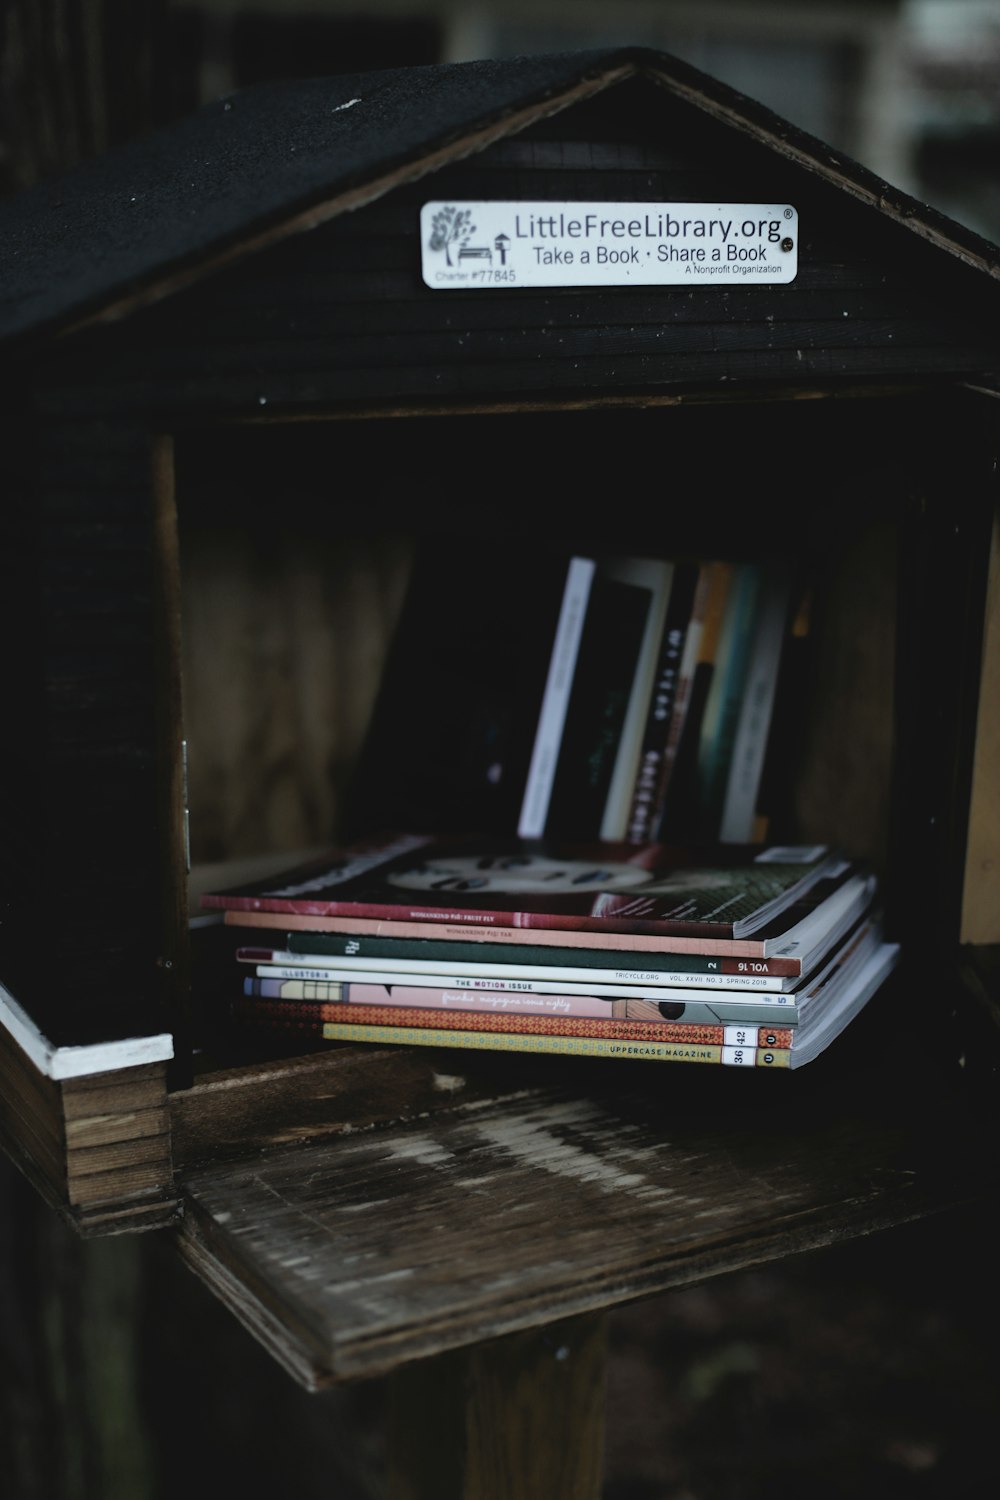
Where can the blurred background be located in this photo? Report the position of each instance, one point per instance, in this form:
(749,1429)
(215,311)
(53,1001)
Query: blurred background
(866,1370)
(911,88)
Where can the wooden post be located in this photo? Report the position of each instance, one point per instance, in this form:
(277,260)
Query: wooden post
(517,1418)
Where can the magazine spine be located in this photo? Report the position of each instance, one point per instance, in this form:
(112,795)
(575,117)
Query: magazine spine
(674,968)
(549,921)
(474,968)
(359,1014)
(501,936)
(282,993)
(402,973)
(578,1046)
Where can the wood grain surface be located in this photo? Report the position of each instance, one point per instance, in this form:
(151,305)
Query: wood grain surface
(353,1256)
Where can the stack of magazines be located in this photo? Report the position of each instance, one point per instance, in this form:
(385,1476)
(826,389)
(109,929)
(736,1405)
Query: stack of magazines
(741,955)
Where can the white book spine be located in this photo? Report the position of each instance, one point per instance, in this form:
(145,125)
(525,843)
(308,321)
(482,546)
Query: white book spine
(321,964)
(513,986)
(555,699)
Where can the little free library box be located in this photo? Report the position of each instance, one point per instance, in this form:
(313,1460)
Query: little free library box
(257,368)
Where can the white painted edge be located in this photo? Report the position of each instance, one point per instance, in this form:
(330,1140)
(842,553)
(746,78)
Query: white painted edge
(79,1062)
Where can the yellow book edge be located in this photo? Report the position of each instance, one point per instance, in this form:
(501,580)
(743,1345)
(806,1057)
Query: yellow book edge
(578,1046)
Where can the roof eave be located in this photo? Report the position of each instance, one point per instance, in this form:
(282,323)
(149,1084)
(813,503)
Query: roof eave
(833,167)
(353,196)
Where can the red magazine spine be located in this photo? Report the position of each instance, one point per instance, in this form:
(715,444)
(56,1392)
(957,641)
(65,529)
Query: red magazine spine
(552,921)
(317,1013)
(735,950)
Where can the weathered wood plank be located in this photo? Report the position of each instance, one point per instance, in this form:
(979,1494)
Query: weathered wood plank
(302,1100)
(100,1131)
(28,1090)
(121,1197)
(142,1087)
(99,1143)
(353,1256)
(126,1181)
(38,1146)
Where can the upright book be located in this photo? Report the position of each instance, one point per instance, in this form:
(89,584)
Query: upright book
(454,719)
(657,576)
(725,694)
(555,700)
(719,892)
(609,658)
(753,709)
(675,802)
(674,668)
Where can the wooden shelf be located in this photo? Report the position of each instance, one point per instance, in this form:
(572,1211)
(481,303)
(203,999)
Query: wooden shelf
(563,1194)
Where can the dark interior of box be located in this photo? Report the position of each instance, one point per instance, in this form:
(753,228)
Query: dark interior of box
(299,542)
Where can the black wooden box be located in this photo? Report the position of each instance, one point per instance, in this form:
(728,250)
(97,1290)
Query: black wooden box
(234,408)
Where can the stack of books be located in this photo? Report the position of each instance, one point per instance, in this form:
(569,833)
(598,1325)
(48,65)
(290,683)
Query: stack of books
(744,955)
(659,704)
(591,697)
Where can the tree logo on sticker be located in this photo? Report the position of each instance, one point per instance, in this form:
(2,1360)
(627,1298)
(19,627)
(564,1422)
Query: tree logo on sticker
(454,226)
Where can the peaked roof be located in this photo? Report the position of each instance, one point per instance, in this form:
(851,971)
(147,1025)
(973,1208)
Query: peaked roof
(142,220)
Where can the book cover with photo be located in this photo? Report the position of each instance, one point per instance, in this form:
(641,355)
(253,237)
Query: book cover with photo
(722,891)
(790,944)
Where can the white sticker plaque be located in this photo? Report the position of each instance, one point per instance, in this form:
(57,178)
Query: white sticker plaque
(466,245)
